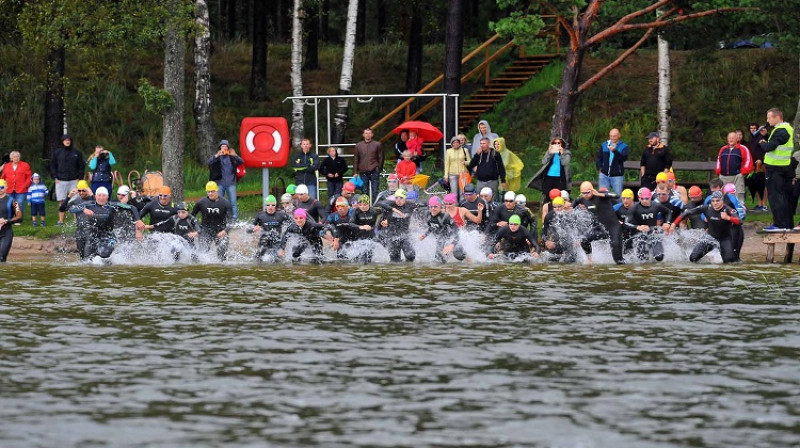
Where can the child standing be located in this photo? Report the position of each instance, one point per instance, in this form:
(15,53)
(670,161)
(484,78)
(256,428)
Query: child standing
(36,194)
(406,170)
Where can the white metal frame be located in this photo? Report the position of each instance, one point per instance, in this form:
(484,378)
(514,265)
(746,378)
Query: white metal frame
(314,101)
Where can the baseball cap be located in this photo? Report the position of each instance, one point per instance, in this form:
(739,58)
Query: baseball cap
(653,134)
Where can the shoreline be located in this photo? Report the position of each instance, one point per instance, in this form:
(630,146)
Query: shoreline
(26,248)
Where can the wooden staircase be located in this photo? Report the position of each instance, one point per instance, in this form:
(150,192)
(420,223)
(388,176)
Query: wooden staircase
(515,75)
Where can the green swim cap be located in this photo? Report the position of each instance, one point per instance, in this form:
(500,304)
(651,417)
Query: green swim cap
(514,219)
(270,200)
(363,199)
(291,188)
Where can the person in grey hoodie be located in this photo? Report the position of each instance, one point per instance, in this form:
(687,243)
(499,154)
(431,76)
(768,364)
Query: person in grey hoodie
(484,130)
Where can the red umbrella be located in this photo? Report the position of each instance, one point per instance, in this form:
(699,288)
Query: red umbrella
(425,130)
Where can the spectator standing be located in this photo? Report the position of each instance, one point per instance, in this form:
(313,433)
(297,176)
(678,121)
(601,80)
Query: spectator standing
(511,162)
(18,175)
(37,192)
(488,167)
(455,165)
(656,158)
(222,170)
(756,182)
(734,163)
(100,162)
(555,172)
(66,168)
(610,162)
(368,162)
(333,168)
(779,173)
(305,165)
(400,144)
(484,131)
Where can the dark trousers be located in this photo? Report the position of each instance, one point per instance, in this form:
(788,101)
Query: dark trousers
(396,245)
(649,181)
(794,199)
(6,238)
(737,240)
(334,187)
(704,247)
(779,193)
(372,181)
(209,236)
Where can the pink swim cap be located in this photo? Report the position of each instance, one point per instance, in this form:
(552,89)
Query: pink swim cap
(301,212)
(729,188)
(450,198)
(645,192)
(434,200)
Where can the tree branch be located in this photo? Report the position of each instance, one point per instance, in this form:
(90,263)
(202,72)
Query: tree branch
(600,74)
(640,12)
(619,28)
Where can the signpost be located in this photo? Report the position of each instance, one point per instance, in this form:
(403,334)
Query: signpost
(265,144)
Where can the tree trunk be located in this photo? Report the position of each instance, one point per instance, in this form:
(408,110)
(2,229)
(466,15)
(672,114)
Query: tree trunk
(381,19)
(323,21)
(454,46)
(231,13)
(173,139)
(567,97)
(203,106)
(414,62)
(54,102)
(340,118)
(312,36)
(298,131)
(258,72)
(361,25)
(664,79)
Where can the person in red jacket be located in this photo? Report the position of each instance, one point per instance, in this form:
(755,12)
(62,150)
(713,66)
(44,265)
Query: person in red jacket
(18,175)
(406,169)
(734,163)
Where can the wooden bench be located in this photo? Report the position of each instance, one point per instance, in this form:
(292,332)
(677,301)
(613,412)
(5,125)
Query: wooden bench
(788,238)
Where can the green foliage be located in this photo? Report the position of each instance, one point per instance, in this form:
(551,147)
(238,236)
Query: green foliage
(523,28)
(156,100)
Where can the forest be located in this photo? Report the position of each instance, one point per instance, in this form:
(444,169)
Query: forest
(162,82)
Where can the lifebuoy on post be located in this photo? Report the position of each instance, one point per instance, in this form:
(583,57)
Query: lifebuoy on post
(264,142)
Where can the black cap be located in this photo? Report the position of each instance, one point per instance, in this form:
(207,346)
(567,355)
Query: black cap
(65,137)
(469,188)
(181,206)
(653,134)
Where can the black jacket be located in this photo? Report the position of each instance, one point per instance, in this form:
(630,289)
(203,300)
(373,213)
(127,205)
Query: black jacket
(488,167)
(330,166)
(67,164)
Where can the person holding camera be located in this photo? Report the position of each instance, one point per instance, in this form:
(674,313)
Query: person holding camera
(100,162)
(555,172)
(222,170)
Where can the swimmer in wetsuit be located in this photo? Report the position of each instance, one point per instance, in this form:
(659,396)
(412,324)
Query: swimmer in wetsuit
(217,214)
(308,233)
(642,218)
(721,221)
(514,241)
(270,224)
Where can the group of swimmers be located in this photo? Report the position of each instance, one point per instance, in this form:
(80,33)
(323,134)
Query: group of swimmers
(353,226)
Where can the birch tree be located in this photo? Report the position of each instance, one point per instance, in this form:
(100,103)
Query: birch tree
(298,131)
(664,82)
(202,76)
(345,81)
(172,141)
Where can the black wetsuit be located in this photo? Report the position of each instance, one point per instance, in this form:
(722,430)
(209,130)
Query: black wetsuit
(515,243)
(98,228)
(696,221)
(216,216)
(125,222)
(315,209)
(395,235)
(310,237)
(443,229)
(555,228)
(159,214)
(140,201)
(602,207)
(182,228)
(8,210)
(271,229)
(502,213)
(639,215)
(342,229)
(718,228)
(82,231)
(365,218)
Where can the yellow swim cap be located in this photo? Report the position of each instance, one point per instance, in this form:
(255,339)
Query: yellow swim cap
(83,185)
(558,201)
(211,186)
(662,177)
(627,193)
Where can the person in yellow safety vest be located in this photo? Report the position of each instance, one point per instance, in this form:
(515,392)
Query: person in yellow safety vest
(778,150)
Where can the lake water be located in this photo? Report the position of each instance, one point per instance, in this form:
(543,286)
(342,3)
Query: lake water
(461,355)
